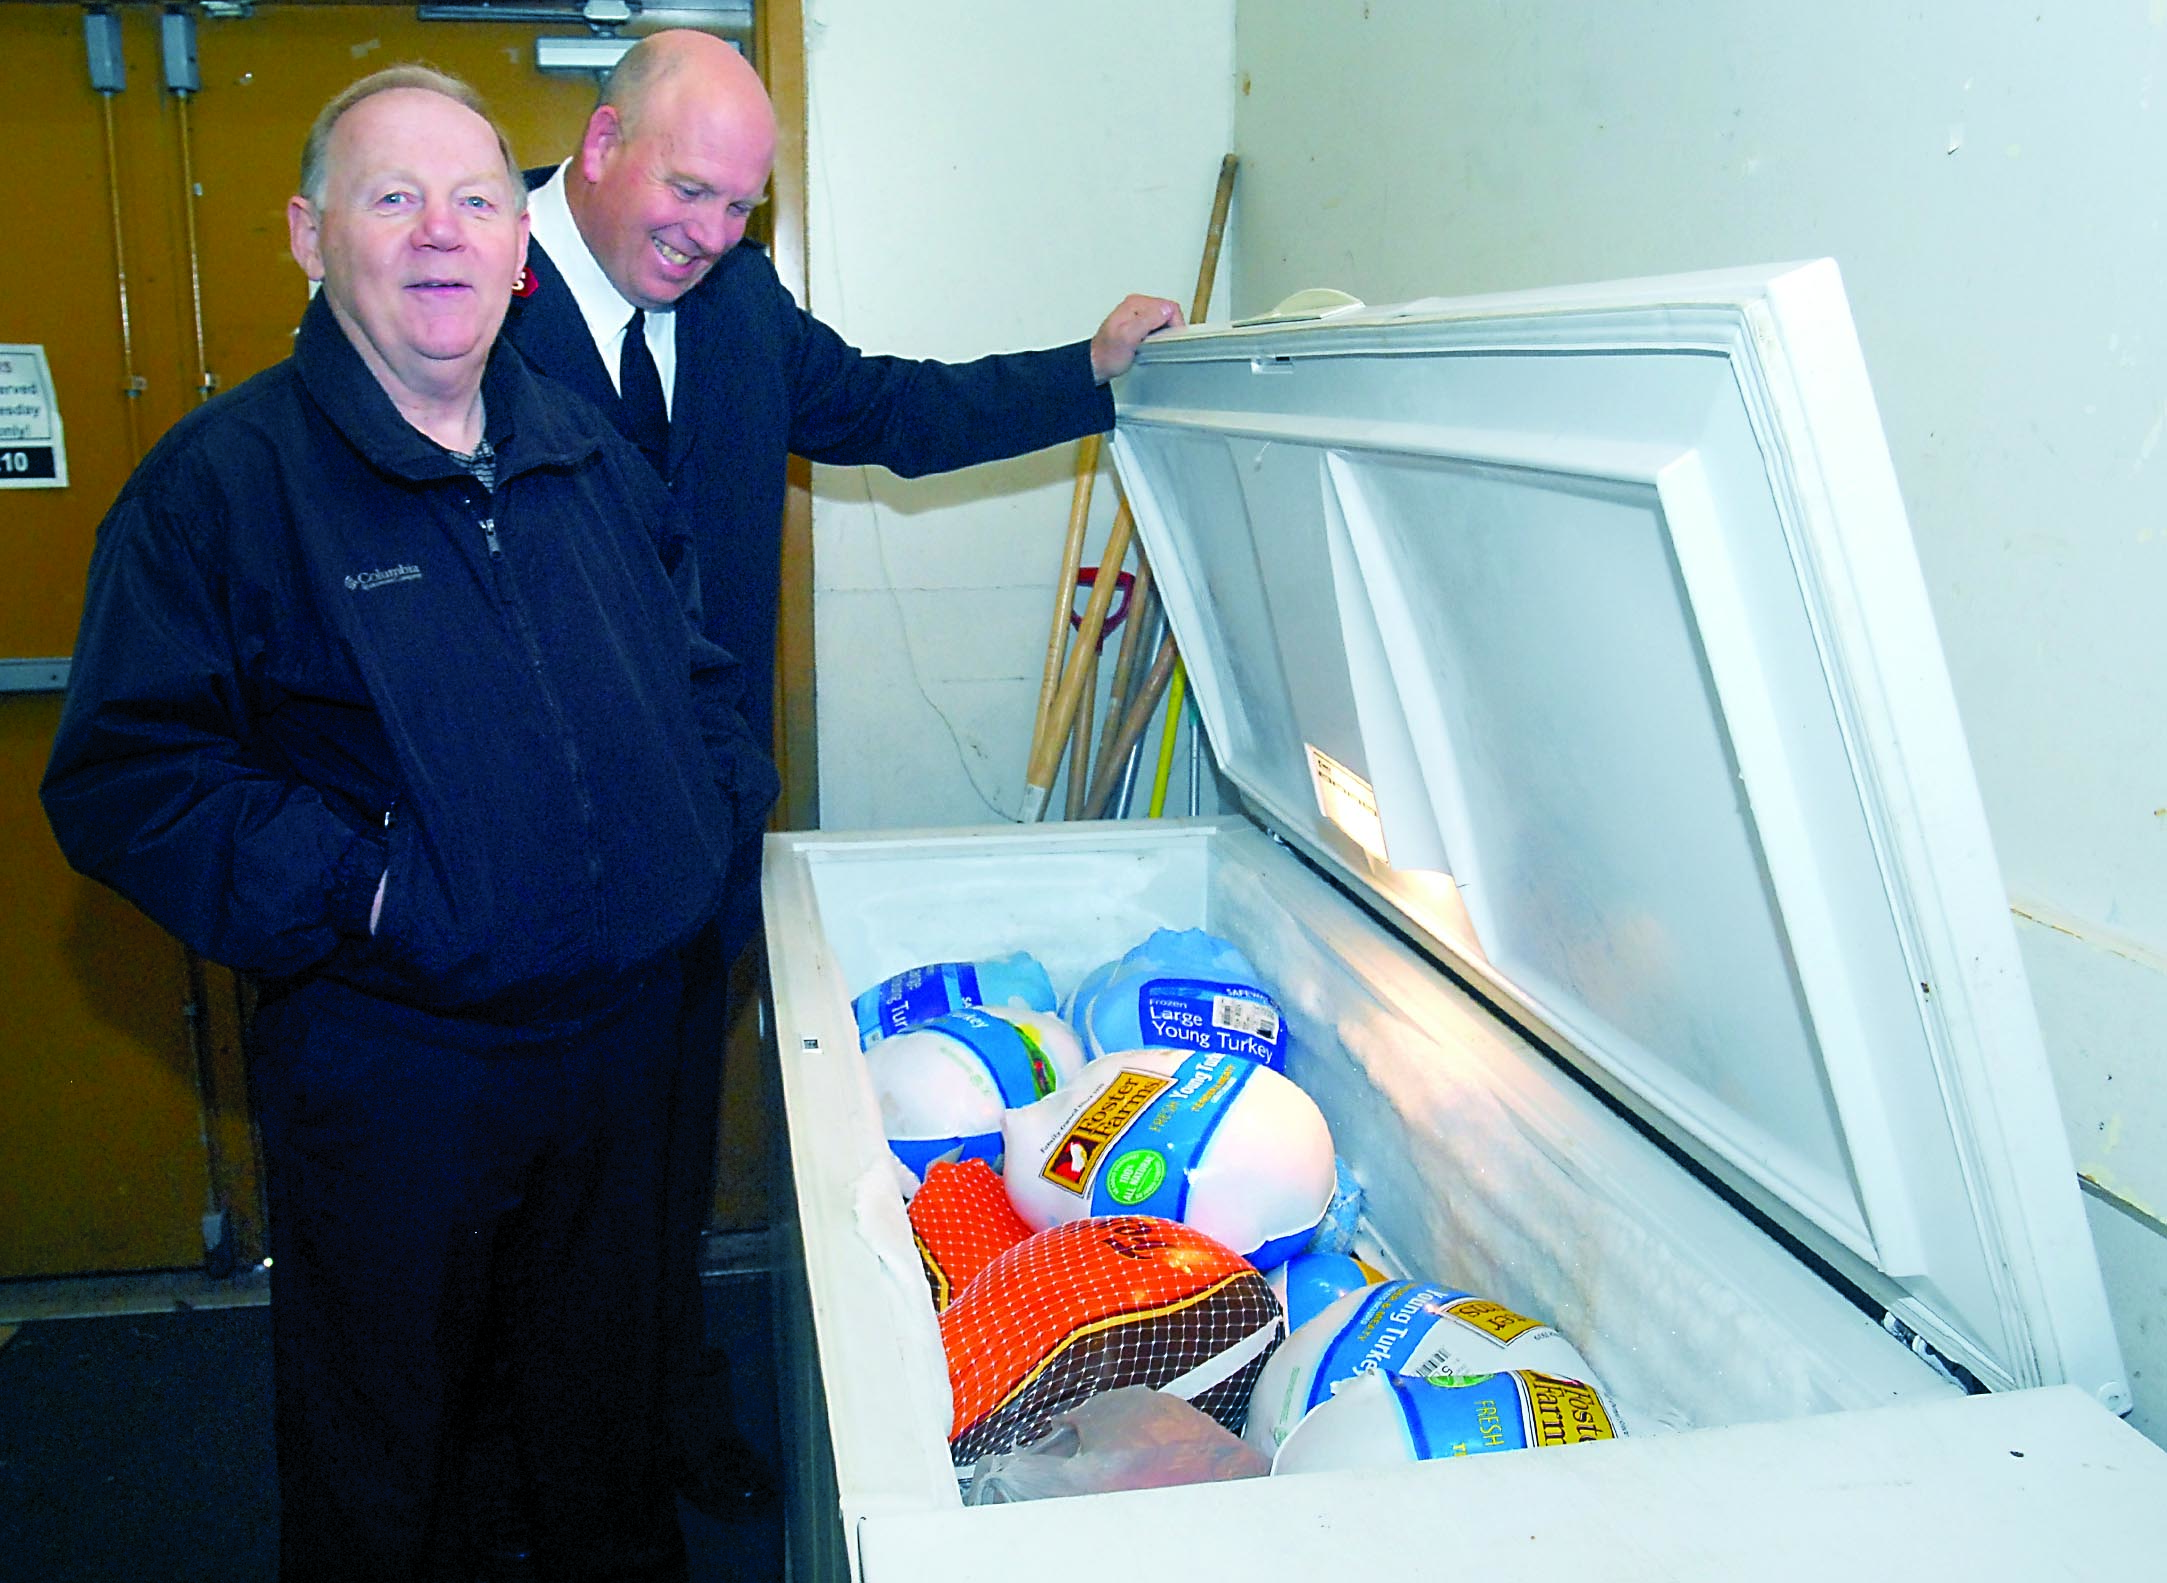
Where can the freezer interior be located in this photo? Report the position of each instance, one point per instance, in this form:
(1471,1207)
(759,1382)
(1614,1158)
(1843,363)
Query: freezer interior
(1485,1164)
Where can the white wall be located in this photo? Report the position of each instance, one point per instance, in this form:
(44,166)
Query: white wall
(986,176)
(1992,178)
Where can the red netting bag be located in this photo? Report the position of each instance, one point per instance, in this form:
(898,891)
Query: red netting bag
(1097,1304)
(962,1221)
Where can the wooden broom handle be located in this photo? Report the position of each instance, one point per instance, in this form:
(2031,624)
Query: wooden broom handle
(1046,750)
(1207,269)
(1108,779)
(1064,604)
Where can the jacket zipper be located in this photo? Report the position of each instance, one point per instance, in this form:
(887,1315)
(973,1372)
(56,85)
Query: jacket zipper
(508,584)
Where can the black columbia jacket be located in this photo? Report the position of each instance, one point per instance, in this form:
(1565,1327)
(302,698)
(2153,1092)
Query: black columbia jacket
(315,652)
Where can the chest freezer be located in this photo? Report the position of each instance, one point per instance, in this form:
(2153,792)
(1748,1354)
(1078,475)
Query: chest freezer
(1609,837)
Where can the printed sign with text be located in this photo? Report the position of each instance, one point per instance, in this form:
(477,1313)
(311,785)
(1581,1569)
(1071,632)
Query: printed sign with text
(32,453)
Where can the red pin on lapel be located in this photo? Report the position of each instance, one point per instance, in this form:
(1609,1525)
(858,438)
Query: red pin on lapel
(528,280)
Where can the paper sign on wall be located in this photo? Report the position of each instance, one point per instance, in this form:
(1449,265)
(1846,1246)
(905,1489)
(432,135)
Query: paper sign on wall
(33,454)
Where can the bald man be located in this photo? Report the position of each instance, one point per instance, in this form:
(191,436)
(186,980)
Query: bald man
(639,296)
(647,217)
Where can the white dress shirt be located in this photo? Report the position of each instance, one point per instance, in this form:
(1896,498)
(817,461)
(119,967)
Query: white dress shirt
(600,303)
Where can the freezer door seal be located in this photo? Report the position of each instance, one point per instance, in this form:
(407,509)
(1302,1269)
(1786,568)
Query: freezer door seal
(1583,630)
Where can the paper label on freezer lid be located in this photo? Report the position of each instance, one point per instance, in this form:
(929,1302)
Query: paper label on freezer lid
(1348,801)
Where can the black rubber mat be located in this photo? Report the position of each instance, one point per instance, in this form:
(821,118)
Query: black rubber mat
(740,1320)
(139,1447)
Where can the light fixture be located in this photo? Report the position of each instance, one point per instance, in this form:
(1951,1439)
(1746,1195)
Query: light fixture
(553,53)
(717,16)
(597,52)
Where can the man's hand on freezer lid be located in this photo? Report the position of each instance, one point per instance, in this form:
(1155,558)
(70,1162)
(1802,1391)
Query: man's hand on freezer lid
(1113,347)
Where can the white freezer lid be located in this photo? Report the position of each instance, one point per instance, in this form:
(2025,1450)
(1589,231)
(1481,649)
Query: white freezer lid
(1601,602)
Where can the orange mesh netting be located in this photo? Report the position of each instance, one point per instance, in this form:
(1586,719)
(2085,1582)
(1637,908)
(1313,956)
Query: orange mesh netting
(1091,1306)
(961,1220)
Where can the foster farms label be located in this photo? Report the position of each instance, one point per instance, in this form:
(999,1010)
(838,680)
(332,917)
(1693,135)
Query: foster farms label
(1075,1159)
(1449,1417)
(1146,1169)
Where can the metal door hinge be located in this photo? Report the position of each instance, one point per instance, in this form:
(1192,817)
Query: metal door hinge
(1920,1350)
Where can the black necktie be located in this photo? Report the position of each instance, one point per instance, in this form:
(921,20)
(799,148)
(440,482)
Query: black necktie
(645,421)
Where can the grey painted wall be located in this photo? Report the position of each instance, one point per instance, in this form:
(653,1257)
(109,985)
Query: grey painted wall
(1992,179)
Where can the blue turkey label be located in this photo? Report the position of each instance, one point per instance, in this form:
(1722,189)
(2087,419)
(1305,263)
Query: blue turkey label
(1448,1417)
(912,997)
(1147,1168)
(920,1155)
(1384,1332)
(1012,1058)
(1204,1014)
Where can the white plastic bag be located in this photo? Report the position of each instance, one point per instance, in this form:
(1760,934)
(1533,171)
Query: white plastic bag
(1134,1438)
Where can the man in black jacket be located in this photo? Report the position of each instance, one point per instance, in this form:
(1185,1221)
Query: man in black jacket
(646,217)
(390,689)
(638,296)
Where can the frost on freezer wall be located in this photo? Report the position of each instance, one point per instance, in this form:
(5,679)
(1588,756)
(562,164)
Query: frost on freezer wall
(1473,1176)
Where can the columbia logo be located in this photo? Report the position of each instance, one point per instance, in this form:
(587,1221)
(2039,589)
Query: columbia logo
(356,581)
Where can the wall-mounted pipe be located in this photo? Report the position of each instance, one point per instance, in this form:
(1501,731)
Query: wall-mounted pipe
(109,78)
(177,42)
(183,79)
